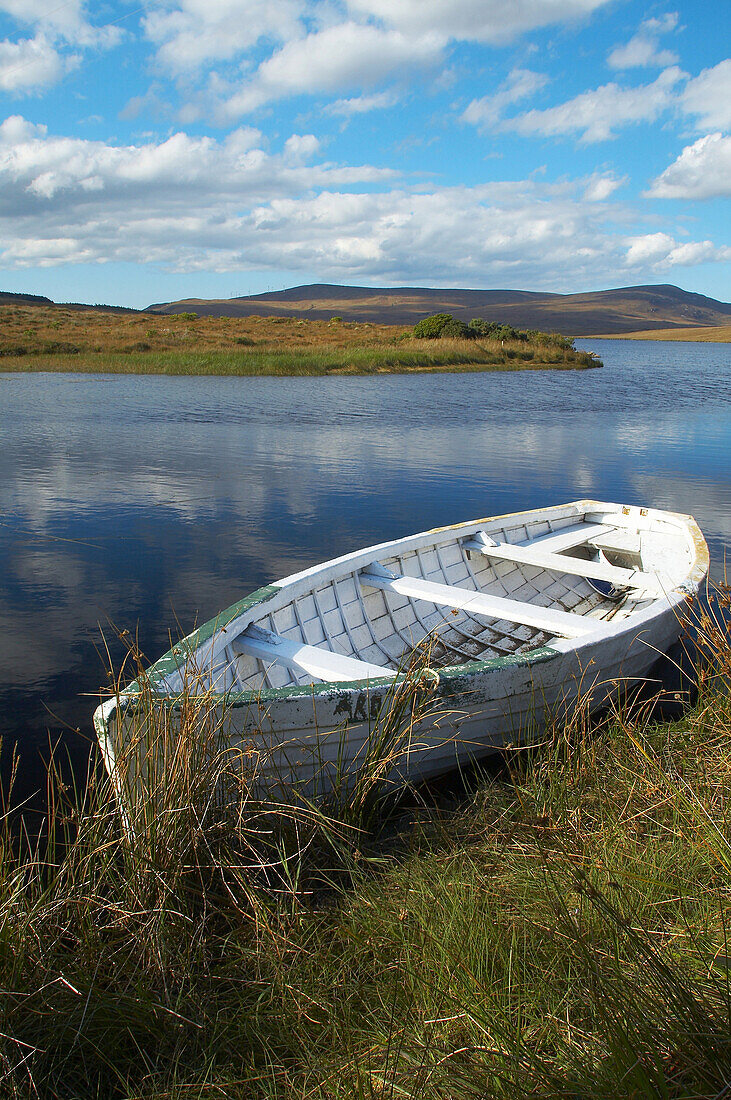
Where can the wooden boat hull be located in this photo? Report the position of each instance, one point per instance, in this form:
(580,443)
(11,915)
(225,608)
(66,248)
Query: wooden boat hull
(309,736)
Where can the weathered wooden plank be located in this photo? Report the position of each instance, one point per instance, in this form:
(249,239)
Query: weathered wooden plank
(317,662)
(569,537)
(479,603)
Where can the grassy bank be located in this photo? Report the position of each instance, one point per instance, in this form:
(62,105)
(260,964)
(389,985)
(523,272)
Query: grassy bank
(559,933)
(720,334)
(57,339)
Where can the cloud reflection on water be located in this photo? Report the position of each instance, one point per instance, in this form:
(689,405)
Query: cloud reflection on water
(143,501)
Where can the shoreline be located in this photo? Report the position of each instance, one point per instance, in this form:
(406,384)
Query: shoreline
(711,335)
(208,367)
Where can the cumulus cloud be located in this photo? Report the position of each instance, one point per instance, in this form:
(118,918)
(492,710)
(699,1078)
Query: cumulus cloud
(32,64)
(66,19)
(183,168)
(491,21)
(194,203)
(708,96)
(347,55)
(317,46)
(642,50)
(702,171)
(660,251)
(488,111)
(598,114)
(67,22)
(178,202)
(192,33)
(601,186)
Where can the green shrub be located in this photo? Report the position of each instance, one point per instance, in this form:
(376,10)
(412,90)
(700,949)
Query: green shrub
(430,328)
(457,330)
(493,330)
(188,316)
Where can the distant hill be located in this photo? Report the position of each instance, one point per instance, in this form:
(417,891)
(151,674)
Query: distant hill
(627,309)
(9,298)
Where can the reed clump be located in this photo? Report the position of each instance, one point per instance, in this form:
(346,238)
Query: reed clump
(562,931)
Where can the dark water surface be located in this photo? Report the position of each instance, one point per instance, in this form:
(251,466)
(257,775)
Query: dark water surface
(151,501)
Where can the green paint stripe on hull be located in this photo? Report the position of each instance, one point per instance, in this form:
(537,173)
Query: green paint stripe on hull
(451,681)
(172,661)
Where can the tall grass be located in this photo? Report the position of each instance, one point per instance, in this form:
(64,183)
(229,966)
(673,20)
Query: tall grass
(458,355)
(560,932)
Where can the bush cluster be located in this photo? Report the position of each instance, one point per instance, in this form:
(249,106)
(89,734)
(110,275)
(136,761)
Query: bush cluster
(444,325)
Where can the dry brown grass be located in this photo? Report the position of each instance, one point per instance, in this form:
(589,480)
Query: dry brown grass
(39,330)
(56,338)
(720,334)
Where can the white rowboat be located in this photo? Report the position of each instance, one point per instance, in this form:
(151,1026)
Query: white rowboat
(522,615)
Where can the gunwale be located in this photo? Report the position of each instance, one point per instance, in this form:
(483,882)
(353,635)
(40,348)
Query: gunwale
(245,610)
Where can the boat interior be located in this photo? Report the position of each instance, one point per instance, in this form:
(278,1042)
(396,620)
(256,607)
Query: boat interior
(469,593)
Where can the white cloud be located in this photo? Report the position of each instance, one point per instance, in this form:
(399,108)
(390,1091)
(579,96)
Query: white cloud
(177,202)
(348,55)
(601,185)
(597,114)
(473,20)
(488,111)
(360,105)
(708,95)
(193,203)
(65,18)
(642,50)
(660,251)
(702,171)
(192,33)
(31,64)
(323,46)
(65,21)
(301,147)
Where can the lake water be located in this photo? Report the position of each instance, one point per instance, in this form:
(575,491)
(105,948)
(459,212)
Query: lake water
(151,503)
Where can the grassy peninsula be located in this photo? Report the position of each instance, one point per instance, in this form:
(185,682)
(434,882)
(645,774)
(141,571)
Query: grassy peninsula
(55,338)
(562,932)
(718,334)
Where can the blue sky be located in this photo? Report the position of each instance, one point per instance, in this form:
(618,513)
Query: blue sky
(167,148)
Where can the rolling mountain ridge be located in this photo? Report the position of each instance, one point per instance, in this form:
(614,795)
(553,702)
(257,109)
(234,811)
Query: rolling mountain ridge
(626,309)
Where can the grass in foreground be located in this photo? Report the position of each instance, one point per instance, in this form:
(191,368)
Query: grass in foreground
(562,934)
(56,339)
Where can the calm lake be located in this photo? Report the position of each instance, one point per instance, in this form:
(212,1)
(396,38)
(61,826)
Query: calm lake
(150,503)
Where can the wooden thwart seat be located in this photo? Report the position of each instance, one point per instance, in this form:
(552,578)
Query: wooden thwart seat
(544,558)
(569,537)
(562,623)
(323,664)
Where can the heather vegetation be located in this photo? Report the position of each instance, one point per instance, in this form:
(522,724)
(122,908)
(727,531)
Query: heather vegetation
(56,338)
(558,928)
